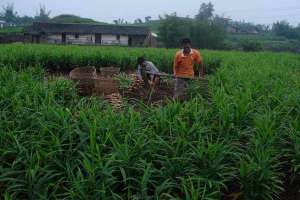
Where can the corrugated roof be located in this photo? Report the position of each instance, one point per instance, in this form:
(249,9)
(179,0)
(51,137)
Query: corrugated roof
(85,29)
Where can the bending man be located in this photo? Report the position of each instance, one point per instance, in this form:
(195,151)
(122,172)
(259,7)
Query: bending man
(146,71)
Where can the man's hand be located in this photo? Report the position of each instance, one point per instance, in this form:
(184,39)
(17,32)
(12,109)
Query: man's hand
(201,75)
(140,78)
(201,71)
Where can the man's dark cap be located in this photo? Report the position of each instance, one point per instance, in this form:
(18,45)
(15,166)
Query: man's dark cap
(140,60)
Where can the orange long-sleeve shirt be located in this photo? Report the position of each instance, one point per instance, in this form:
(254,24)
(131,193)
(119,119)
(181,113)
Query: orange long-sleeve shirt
(184,64)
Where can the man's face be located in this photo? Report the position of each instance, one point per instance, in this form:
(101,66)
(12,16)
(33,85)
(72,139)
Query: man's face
(186,48)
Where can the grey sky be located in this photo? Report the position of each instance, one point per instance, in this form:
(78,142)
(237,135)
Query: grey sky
(259,11)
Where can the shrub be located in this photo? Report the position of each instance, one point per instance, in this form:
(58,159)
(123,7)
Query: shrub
(249,45)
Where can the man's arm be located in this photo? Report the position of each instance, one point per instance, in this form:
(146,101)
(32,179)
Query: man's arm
(175,65)
(201,70)
(139,73)
(200,66)
(152,67)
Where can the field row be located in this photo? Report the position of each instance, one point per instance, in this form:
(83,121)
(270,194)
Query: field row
(66,57)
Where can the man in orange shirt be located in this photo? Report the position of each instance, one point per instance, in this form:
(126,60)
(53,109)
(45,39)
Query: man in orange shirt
(184,63)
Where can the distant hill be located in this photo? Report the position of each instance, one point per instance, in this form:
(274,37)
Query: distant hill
(74,19)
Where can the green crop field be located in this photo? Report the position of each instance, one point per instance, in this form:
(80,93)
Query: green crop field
(11,30)
(244,144)
(66,57)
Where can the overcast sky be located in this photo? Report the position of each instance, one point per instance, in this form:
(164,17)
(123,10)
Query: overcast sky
(258,11)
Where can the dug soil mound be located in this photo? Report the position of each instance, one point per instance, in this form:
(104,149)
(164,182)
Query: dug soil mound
(159,94)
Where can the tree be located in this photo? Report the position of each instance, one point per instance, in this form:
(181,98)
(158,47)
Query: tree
(208,34)
(9,15)
(138,21)
(205,30)
(172,29)
(120,21)
(26,20)
(205,12)
(298,31)
(147,19)
(261,28)
(250,45)
(43,15)
(284,29)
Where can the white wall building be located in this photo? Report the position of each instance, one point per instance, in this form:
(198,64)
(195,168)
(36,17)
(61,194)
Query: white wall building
(2,23)
(89,34)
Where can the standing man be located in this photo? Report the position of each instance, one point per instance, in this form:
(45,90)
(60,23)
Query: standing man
(184,63)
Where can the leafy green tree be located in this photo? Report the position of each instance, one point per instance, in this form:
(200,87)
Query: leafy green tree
(206,30)
(246,27)
(250,45)
(26,20)
(261,28)
(205,12)
(9,15)
(298,31)
(43,15)
(173,28)
(208,34)
(284,29)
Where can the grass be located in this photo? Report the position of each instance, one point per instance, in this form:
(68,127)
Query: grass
(11,30)
(56,145)
(268,41)
(256,37)
(67,57)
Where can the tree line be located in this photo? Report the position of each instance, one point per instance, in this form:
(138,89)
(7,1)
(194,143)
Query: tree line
(205,29)
(210,31)
(9,15)
(284,29)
